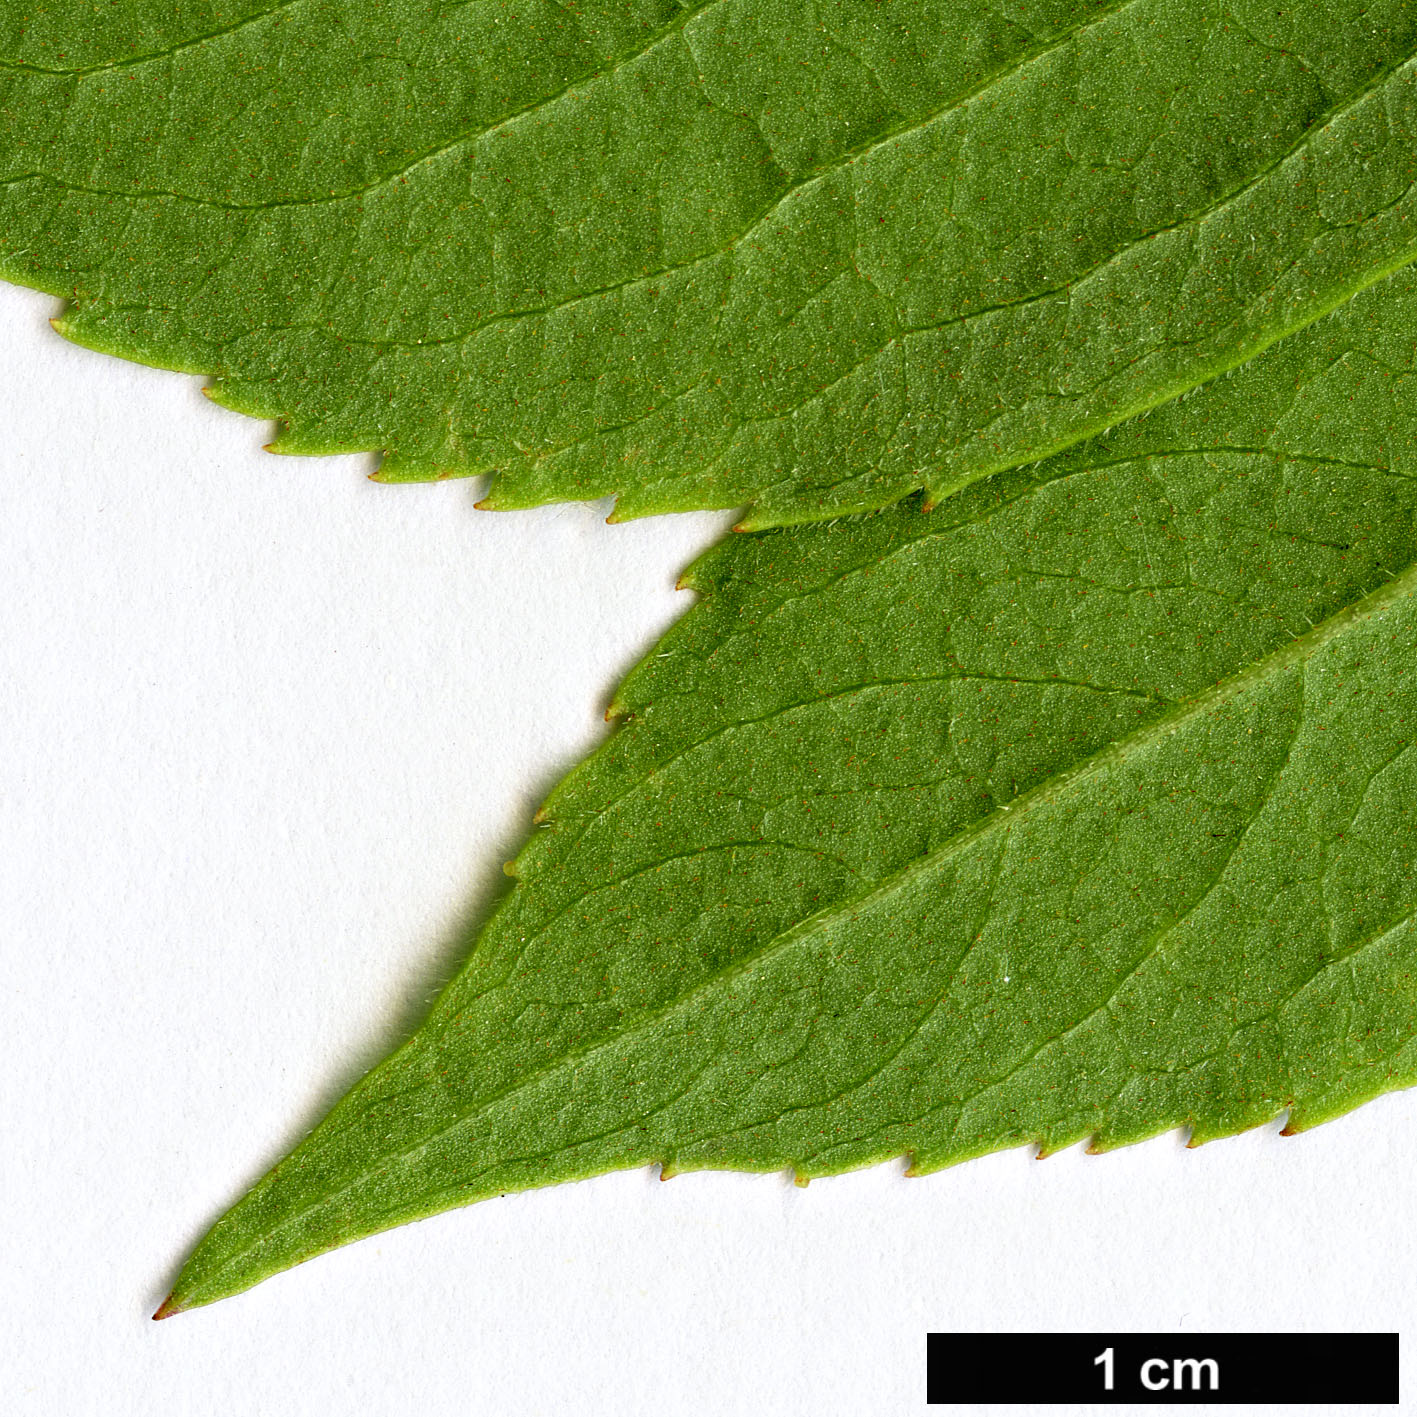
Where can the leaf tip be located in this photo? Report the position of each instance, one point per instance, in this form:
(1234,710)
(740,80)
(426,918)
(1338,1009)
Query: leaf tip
(167,1308)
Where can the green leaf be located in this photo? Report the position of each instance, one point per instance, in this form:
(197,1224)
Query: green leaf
(806,256)
(1082,807)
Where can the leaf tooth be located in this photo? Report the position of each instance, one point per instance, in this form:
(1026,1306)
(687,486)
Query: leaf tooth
(1102,1142)
(244,397)
(1205,1130)
(913,1165)
(634,503)
(713,569)
(493,499)
(82,325)
(290,441)
(1052,1143)
(123,331)
(396,466)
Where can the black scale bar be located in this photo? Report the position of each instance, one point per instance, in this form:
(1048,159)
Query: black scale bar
(1041,1368)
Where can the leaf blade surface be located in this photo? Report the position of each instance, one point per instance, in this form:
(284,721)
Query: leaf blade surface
(1079,807)
(806,259)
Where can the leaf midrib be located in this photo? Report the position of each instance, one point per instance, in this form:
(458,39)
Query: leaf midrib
(869,565)
(1301,648)
(587,820)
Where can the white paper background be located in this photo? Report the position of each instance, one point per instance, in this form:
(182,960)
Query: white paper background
(269,731)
